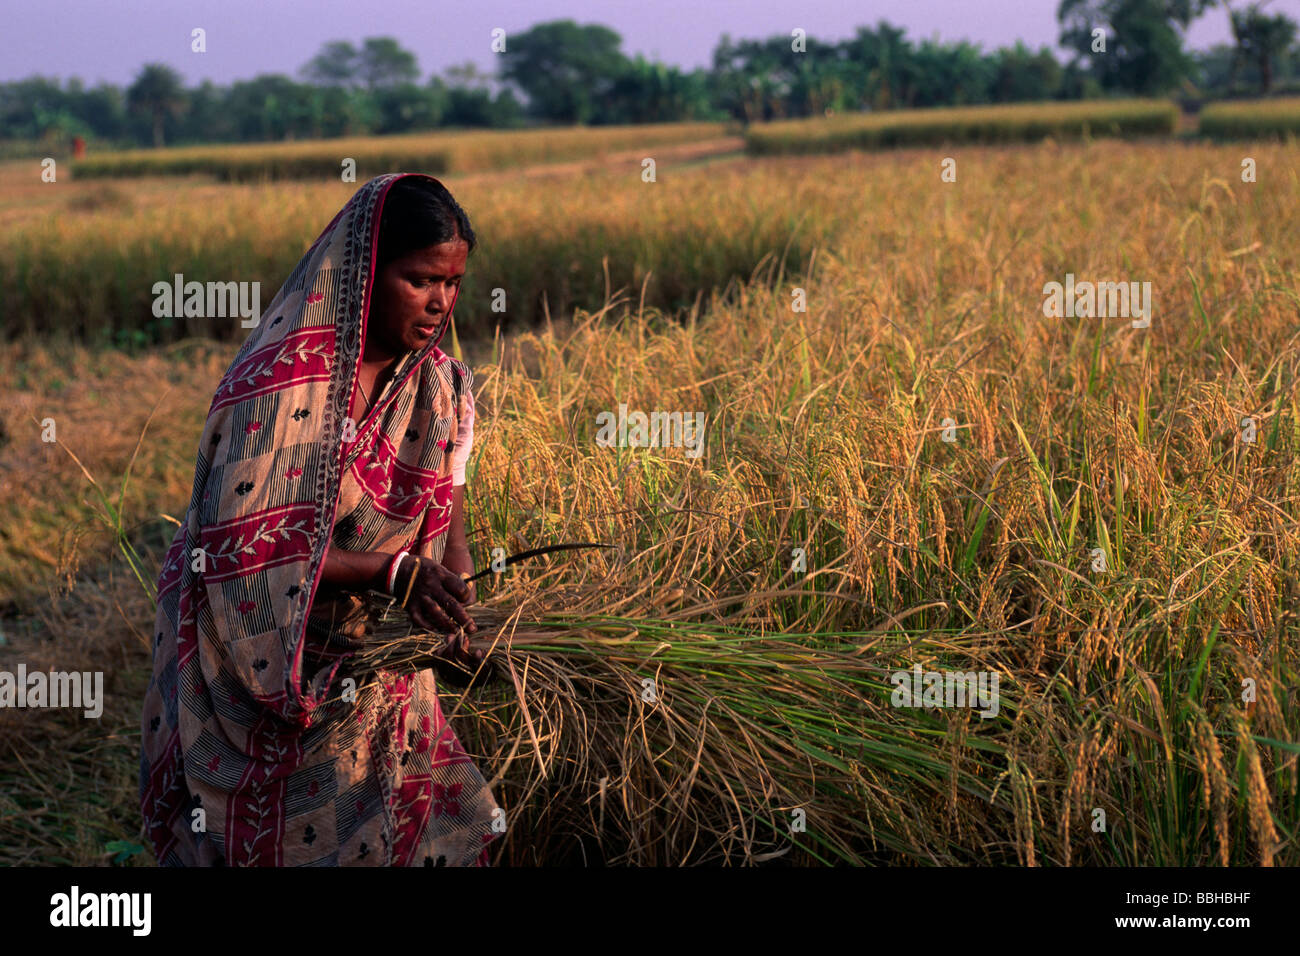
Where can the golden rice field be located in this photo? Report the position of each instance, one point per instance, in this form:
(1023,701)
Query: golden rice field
(1252,118)
(1006,123)
(435,153)
(1098,530)
(82,258)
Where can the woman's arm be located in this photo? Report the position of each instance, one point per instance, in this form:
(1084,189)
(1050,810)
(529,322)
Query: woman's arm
(355,570)
(368,570)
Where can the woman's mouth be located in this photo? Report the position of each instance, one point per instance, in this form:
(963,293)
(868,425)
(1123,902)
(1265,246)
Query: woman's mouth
(425,331)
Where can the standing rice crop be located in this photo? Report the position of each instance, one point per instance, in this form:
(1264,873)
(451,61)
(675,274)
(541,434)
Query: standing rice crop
(1014,123)
(921,469)
(1252,119)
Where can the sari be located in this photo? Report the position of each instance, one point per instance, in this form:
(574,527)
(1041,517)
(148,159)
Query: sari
(254,753)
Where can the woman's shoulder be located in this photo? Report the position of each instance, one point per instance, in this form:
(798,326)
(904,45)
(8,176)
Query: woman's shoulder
(463,375)
(454,371)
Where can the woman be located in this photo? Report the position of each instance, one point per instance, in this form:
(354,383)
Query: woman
(339,414)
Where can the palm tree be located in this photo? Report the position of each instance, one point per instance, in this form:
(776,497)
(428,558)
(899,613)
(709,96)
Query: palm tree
(157,92)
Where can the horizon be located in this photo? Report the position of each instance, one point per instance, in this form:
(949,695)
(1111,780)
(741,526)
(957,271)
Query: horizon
(111,45)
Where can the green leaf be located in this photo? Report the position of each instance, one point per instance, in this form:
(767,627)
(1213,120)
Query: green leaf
(968,561)
(124,850)
(1285,745)
(1043,479)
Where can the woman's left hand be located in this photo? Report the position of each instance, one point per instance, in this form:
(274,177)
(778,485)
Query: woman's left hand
(458,647)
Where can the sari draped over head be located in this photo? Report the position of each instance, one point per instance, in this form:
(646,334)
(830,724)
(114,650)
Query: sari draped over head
(253,753)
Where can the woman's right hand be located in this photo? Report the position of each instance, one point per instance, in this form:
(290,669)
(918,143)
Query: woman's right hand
(437,599)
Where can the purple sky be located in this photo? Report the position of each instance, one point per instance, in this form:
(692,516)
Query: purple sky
(110,39)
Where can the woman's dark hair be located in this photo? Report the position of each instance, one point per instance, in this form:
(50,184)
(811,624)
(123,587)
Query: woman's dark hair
(419,213)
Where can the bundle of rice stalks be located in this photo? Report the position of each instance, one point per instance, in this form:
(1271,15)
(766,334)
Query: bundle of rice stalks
(661,737)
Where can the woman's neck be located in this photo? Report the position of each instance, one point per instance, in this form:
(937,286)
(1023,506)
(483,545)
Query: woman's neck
(377,360)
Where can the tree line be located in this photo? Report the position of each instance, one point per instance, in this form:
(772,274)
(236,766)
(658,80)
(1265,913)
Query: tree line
(561,72)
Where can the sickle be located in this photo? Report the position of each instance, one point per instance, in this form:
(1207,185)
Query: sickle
(535,552)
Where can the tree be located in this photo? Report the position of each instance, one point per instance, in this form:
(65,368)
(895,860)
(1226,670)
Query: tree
(209,118)
(756,79)
(405,106)
(730,80)
(335,65)
(382,62)
(1260,40)
(464,105)
(653,93)
(823,81)
(1144,46)
(507,109)
(103,109)
(467,98)
(955,74)
(564,69)
(157,94)
(887,64)
(1020,74)
(468,76)
(1215,68)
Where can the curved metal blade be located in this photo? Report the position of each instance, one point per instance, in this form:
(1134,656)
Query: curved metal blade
(536,552)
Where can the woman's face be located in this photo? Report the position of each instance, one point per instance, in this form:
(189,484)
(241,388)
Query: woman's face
(411,298)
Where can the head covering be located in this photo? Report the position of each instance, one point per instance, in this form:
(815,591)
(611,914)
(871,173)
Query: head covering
(247,725)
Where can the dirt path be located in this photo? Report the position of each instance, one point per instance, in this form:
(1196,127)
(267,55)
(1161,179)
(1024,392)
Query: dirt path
(676,155)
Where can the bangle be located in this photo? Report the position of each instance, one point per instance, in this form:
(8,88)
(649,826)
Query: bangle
(392,568)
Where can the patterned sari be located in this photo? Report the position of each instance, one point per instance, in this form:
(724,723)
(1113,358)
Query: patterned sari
(258,747)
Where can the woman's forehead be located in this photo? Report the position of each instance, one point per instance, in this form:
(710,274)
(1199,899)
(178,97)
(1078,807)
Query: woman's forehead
(446,256)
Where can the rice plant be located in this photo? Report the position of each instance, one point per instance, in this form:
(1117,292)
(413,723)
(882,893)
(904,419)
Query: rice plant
(436,153)
(1013,123)
(920,469)
(1252,119)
